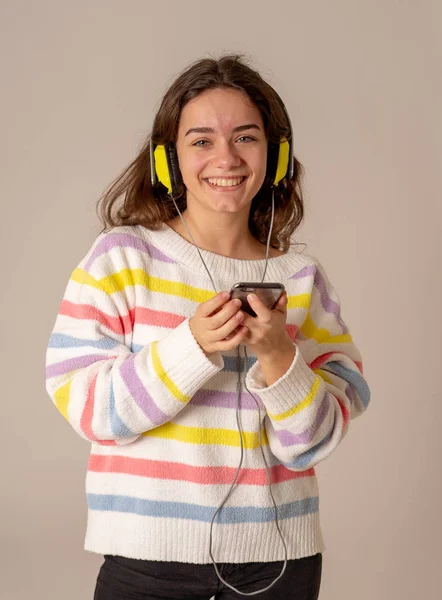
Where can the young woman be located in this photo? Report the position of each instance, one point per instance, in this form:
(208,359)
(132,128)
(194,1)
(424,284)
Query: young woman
(206,418)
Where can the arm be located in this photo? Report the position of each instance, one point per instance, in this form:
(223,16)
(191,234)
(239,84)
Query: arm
(310,405)
(109,394)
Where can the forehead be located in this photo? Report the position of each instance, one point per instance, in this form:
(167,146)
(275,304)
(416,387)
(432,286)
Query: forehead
(221,109)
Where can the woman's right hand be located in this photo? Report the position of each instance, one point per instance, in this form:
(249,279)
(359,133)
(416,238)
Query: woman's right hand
(216,324)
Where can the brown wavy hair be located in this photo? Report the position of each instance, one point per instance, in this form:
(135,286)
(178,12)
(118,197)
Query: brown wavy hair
(131,200)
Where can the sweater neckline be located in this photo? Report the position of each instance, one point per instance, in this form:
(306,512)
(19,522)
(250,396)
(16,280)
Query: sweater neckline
(223,268)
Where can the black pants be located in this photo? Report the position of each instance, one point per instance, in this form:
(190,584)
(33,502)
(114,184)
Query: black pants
(129,579)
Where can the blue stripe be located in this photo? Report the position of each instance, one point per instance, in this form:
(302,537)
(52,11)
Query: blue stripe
(195,512)
(354,378)
(231,363)
(60,340)
(305,460)
(119,428)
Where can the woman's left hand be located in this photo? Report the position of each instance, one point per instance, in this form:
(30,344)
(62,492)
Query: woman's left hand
(267,337)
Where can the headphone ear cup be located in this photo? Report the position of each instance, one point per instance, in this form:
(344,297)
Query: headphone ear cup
(174,169)
(283,161)
(272,163)
(278,162)
(160,167)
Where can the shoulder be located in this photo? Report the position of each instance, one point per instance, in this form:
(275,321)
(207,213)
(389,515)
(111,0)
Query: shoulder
(124,247)
(299,262)
(307,271)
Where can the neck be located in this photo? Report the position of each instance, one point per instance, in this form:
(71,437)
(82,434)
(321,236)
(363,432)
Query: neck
(228,236)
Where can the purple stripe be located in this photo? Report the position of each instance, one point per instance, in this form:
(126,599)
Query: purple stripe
(140,394)
(73,364)
(306,271)
(289,439)
(349,392)
(127,241)
(226,399)
(328,304)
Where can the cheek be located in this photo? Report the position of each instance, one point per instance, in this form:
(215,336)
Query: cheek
(191,167)
(260,164)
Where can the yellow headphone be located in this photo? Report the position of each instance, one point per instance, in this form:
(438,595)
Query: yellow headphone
(164,167)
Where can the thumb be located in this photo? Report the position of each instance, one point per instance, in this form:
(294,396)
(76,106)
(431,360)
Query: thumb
(281,305)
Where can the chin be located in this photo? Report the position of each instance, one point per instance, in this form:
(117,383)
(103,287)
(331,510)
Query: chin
(220,202)
(232,206)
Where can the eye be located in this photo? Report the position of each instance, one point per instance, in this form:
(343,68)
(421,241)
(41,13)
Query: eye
(246,138)
(200,143)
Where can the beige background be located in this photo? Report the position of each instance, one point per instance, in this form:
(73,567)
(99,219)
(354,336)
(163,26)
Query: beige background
(362,82)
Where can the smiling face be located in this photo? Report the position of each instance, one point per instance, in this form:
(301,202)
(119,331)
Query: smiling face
(222,152)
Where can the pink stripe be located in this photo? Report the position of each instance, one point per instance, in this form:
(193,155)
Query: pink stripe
(157,318)
(316,364)
(122,324)
(320,360)
(88,414)
(345,413)
(292,330)
(157,469)
(323,358)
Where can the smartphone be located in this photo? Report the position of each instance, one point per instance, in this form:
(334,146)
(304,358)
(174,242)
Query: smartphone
(268,293)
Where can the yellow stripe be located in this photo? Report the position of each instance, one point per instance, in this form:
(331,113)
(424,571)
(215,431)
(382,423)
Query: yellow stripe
(309,329)
(299,301)
(82,277)
(323,374)
(296,409)
(322,335)
(131,277)
(159,370)
(62,399)
(206,436)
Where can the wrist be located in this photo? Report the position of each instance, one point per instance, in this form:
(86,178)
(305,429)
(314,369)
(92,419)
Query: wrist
(196,338)
(284,351)
(276,363)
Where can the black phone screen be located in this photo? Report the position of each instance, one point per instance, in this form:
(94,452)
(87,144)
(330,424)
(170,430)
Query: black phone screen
(268,293)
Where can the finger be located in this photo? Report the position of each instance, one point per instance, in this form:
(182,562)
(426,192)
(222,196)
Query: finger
(214,304)
(262,312)
(228,328)
(249,321)
(233,340)
(224,314)
(231,335)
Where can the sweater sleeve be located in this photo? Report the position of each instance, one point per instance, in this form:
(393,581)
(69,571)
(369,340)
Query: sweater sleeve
(310,406)
(107,392)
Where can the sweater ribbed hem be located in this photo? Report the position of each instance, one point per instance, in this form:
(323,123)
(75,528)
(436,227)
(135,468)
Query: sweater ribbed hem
(179,540)
(185,362)
(293,387)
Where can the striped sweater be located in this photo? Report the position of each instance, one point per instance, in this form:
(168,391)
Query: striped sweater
(125,371)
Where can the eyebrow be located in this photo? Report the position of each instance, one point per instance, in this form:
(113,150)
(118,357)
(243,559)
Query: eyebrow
(234,130)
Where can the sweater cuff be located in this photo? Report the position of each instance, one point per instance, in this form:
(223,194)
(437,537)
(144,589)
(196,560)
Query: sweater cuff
(288,391)
(184,361)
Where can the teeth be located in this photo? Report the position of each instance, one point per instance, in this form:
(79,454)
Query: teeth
(226,182)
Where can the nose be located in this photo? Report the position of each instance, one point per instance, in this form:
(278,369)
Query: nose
(227,156)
